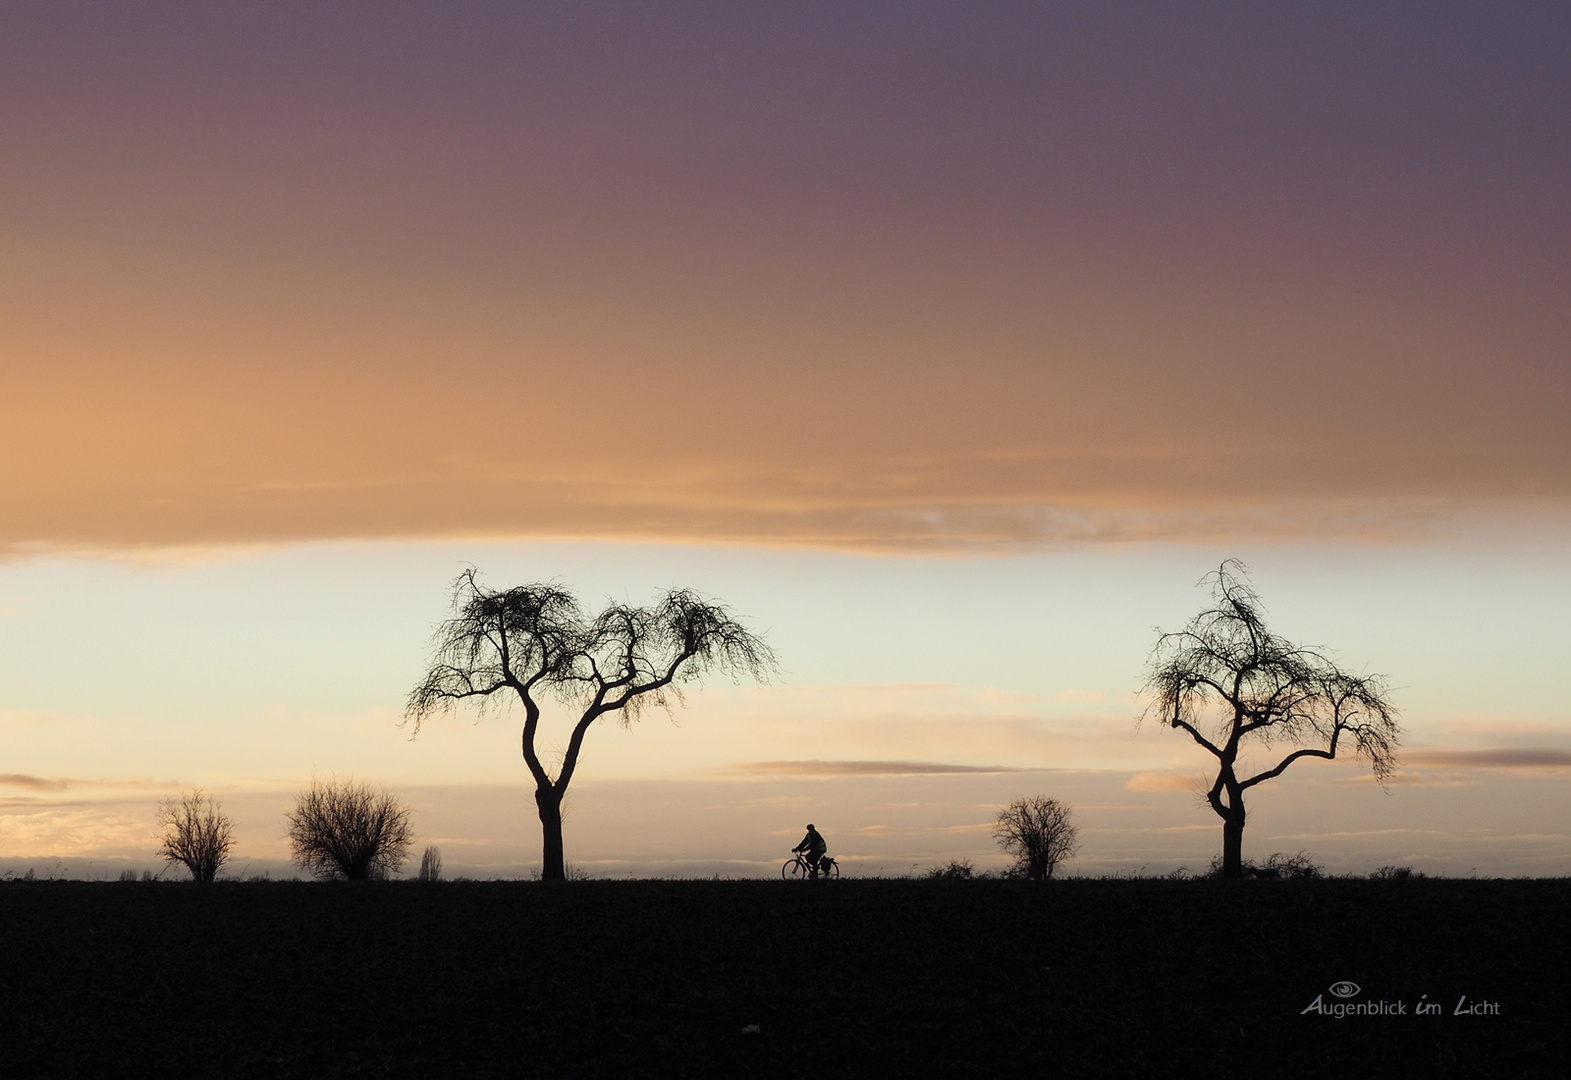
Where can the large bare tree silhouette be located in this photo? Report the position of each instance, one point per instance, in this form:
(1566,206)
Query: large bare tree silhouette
(1232,685)
(533,642)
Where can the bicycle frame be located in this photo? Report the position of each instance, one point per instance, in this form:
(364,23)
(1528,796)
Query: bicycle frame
(799,869)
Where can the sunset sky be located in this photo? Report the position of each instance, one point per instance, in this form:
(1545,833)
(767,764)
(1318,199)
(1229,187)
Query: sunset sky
(949,344)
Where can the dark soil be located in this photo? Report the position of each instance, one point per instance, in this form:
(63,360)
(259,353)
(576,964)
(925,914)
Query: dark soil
(848,978)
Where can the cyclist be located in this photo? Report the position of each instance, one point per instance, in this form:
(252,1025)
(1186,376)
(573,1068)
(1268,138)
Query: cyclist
(813,845)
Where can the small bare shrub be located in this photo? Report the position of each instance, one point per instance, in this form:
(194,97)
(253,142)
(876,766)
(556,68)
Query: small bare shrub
(1278,866)
(1395,873)
(1039,832)
(195,833)
(1293,867)
(954,870)
(431,864)
(128,875)
(348,830)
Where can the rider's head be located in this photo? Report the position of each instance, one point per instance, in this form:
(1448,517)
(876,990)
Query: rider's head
(809,824)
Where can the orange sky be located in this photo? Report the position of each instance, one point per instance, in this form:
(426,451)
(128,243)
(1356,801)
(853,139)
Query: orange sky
(869,278)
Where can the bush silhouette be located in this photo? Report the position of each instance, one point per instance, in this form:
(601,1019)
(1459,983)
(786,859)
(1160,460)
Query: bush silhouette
(195,833)
(954,870)
(1278,866)
(348,830)
(1039,832)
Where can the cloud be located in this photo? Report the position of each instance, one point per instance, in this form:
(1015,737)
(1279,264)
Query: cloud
(35,783)
(939,830)
(865,768)
(61,783)
(1162,781)
(1497,758)
(1413,778)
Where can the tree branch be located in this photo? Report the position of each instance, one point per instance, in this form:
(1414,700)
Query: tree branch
(1328,754)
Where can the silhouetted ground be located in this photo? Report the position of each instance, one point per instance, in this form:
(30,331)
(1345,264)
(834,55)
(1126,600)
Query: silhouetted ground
(850,978)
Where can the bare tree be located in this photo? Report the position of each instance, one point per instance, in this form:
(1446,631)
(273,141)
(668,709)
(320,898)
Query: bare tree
(532,642)
(348,830)
(431,864)
(1231,685)
(195,833)
(1039,832)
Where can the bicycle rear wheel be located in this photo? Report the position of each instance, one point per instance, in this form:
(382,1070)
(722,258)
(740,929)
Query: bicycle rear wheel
(831,871)
(795,870)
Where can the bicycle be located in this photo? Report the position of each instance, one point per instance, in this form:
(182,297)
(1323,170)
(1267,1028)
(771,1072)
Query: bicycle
(799,869)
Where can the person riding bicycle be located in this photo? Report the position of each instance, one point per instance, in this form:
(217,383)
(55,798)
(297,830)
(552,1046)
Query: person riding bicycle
(814,847)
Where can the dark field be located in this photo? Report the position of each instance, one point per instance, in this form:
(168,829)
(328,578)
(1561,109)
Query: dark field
(850,978)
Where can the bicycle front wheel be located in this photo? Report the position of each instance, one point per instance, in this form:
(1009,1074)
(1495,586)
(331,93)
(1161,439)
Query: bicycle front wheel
(794,870)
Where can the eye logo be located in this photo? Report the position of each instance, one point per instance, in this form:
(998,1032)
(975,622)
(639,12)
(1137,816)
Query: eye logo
(1344,989)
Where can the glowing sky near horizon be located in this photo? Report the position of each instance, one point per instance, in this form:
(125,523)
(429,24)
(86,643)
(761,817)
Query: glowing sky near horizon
(952,342)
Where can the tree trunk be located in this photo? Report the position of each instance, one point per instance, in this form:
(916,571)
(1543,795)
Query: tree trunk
(552,865)
(1233,840)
